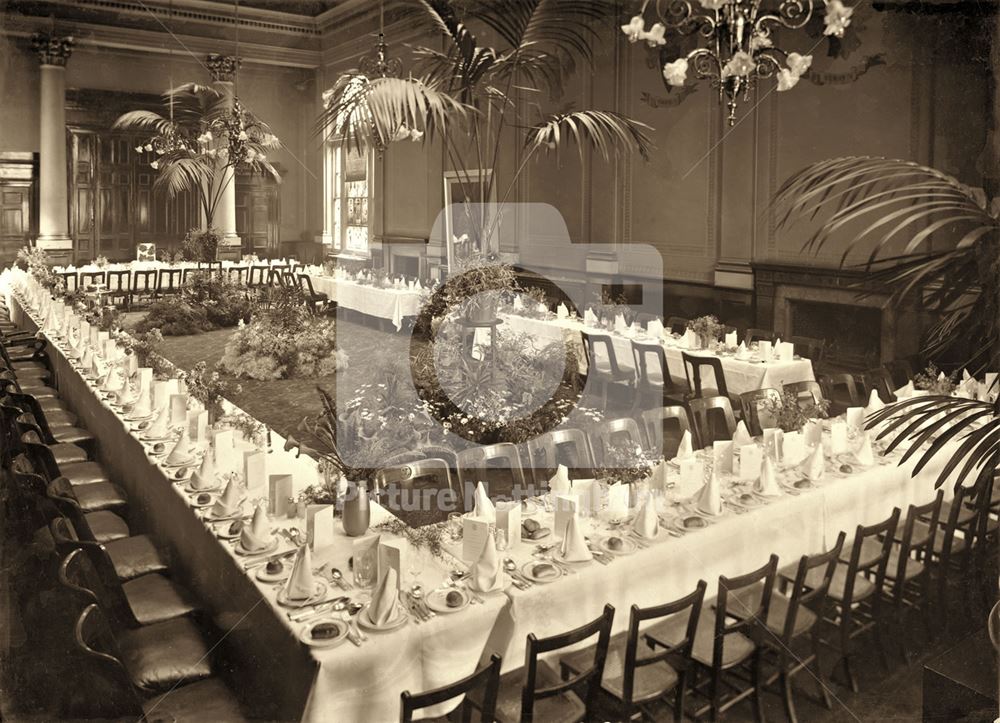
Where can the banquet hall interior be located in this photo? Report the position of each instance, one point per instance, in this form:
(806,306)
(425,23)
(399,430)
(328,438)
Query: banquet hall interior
(556,360)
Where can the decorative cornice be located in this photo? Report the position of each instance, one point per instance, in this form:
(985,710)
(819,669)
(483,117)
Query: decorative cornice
(222,67)
(52,49)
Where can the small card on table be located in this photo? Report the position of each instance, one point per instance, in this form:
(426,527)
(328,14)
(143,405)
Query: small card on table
(509,520)
(793,447)
(390,555)
(319,525)
(475,533)
(722,456)
(279,490)
(566,506)
(751,458)
(255,472)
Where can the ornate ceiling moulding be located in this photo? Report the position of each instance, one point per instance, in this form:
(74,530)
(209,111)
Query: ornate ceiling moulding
(206,12)
(52,49)
(222,67)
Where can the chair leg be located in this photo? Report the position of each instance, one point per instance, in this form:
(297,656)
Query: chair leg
(786,689)
(845,649)
(817,671)
(679,696)
(758,686)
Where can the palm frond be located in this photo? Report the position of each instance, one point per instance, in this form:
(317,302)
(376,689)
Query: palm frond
(608,132)
(179,173)
(144,120)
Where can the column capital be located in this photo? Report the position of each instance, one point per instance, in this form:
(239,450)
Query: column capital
(53,49)
(222,67)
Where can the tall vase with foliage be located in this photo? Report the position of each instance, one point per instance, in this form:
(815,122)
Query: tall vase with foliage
(900,208)
(203,141)
(470,93)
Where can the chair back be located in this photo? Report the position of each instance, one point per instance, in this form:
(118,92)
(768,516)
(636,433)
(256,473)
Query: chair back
(407,474)
(28,506)
(808,347)
(921,549)
(614,432)
(89,573)
(811,596)
(94,641)
(753,335)
(805,392)
(596,345)
(749,621)
(70,280)
(676,654)
(473,462)
(880,380)
(664,428)
(238,274)
(306,284)
(169,280)
(832,383)
(486,678)
(750,404)
(873,568)
(548,450)
(188,271)
(695,365)
(29,405)
(651,366)
(144,280)
(951,524)
(713,420)
(900,371)
(677,324)
(92,278)
(119,281)
(258,275)
(589,678)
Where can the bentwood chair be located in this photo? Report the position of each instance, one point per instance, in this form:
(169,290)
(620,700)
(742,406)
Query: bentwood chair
(805,392)
(486,678)
(413,488)
(538,692)
(730,652)
(856,592)
(495,462)
(750,406)
(713,420)
(697,368)
(908,573)
(569,447)
(664,428)
(25,505)
(677,324)
(314,300)
(615,433)
(653,381)
(156,674)
(753,335)
(57,427)
(808,347)
(636,678)
(842,391)
(603,369)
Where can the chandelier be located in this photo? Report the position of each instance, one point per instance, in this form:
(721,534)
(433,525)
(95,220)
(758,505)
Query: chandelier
(738,48)
(379,64)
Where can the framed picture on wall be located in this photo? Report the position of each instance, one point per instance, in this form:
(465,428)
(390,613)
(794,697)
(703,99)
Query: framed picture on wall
(463,221)
(145,252)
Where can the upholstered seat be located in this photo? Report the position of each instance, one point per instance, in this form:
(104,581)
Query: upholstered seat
(208,700)
(153,599)
(53,406)
(100,496)
(862,586)
(107,526)
(72,435)
(564,708)
(60,418)
(29,367)
(135,556)
(81,474)
(158,657)
(650,681)
(67,453)
(735,648)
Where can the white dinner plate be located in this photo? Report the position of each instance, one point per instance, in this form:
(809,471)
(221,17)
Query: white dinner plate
(264,576)
(189,462)
(318,595)
(271,547)
(182,474)
(398,620)
(558,556)
(627,548)
(191,488)
(223,533)
(437,600)
(528,567)
(211,500)
(306,635)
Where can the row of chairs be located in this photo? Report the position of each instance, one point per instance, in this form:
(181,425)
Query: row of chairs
(134,623)
(768,625)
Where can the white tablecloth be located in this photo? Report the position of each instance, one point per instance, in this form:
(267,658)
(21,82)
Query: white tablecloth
(392,304)
(741,376)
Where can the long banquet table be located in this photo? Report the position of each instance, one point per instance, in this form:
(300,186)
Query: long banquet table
(286,679)
(383,303)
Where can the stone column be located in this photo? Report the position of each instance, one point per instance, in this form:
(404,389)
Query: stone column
(223,70)
(53,216)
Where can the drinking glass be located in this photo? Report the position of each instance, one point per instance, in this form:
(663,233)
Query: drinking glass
(364,570)
(501,537)
(455,526)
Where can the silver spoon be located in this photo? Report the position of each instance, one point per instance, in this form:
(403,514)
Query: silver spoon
(339,578)
(417,593)
(511,567)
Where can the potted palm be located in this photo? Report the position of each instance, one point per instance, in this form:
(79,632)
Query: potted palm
(206,138)
(467,93)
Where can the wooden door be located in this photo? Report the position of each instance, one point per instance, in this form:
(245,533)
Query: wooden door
(82,207)
(114,210)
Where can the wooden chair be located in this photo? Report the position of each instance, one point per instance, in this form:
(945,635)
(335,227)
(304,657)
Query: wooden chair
(750,404)
(694,366)
(479,464)
(144,283)
(880,380)
(212,268)
(808,347)
(952,551)
(705,418)
(169,281)
(635,679)
(486,678)
(130,556)
(900,371)
(753,335)
(314,300)
(805,392)
(612,432)
(723,648)
(120,287)
(605,371)
(570,447)
(677,324)
(70,280)
(93,278)
(537,691)
(857,590)
(664,428)
(842,391)
(258,276)
(421,477)
(238,274)
(653,380)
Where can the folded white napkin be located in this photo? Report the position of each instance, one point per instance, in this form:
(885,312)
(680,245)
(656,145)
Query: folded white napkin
(562,311)
(484,505)
(127,396)
(487,575)
(181,453)
(814,464)
(646,524)
(301,585)
(742,352)
(710,497)
(574,546)
(620,325)
(864,454)
(204,477)
(560,484)
(230,501)
(541,308)
(518,302)
(731,339)
(767,484)
(589,317)
(875,403)
(685,448)
(658,478)
(654,327)
(690,339)
(160,426)
(256,536)
(741,436)
(906,391)
(112,380)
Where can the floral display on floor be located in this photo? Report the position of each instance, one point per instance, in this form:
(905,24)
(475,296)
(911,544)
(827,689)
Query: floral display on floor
(207,302)
(284,341)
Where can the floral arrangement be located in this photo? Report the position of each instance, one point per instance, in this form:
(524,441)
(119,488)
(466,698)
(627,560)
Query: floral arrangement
(934,381)
(284,342)
(175,317)
(426,537)
(105,318)
(201,244)
(146,347)
(707,327)
(625,464)
(37,262)
(101,261)
(250,429)
(208,387)
(475,285)
(791,413)
(224,300)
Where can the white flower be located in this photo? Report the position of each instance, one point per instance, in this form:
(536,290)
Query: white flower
(635,28)
(787,79)
(154,165)
(416,135)
(149,146)
(138,149)
(714,4)
(675,73)
(261,157)
(243,136)
(799,64)
(838,17)
(759,41)
(742,64)
(401,134)
(655,35)
(205,137)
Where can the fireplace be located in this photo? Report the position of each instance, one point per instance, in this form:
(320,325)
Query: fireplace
(853,333)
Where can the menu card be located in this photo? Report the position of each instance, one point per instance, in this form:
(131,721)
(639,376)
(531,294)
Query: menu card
(751,457)
(588,492)
(618,501)
(390,557)
(319,526)
(178,410)
(691,475)
(255,472)
(856,418)
(722,456)
(813,433)
(278,492)
(765,349)
(225,457)
(838,437)
(509,520)
(793,447)
(475,531)
(565,506)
